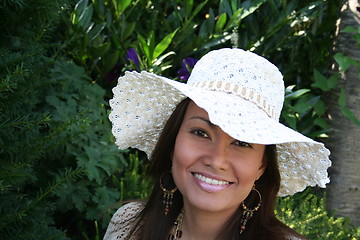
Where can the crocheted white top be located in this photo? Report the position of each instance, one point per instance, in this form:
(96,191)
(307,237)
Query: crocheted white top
(123,222)
(125,219)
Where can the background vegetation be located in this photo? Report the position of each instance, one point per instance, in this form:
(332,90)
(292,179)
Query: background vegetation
(61,176)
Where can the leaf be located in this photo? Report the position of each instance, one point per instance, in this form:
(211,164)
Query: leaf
(127,30)
(235,4)
(74,196)
(344,61)
(348,113)
(224,7)
(344,109)
(333,81)
(302,107)
(90,162)
(194,14)
(123,4)
(188,7)
(105,196)
(320,81)
(296,94)
(220,23)
(321,122)
(80,7)
(94,32)
(144,46)
(348,29)
(303,104)
(207,27)
(290,120)
(320,107)
(323,83)
(85,17)
(198,9)
(159,60)
(116,6)
(253,7)
(151,44)
(342,98)
(234,20)
(90,27)
(161,47)
(99,8)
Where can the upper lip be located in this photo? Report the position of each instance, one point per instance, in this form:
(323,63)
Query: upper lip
(208,175)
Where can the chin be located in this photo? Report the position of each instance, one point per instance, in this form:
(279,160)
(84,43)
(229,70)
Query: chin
(211,205)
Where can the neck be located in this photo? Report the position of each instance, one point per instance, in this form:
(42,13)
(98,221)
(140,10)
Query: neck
(203,225)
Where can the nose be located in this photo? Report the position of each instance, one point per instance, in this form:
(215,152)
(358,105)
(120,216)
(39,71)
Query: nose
(217,157)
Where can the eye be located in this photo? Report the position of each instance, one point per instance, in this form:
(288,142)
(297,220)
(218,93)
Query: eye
(200,133)
(242,144)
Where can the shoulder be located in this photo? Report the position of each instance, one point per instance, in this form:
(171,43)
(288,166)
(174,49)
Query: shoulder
(128,211)
(123,221)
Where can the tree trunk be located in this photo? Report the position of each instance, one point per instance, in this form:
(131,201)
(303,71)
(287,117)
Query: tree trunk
(343,192)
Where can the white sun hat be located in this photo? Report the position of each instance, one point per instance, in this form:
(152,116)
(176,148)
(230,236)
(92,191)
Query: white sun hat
(243,94)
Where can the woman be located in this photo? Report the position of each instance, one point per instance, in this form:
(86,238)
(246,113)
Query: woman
(219,154)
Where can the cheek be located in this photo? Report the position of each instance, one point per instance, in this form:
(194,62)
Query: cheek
(184,158)
(180,163)
(248,167)
(180,155)
(183,154)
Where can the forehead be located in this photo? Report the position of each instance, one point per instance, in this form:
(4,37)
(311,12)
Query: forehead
(194,110)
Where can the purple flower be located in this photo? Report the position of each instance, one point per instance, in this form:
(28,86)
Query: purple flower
(132,56)
(186,66)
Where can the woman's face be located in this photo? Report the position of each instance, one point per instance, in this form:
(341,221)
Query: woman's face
(213,171)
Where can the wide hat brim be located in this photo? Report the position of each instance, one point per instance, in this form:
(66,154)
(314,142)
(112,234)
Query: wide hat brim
(143,102)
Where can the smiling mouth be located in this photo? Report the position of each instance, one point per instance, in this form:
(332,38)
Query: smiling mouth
(210,180)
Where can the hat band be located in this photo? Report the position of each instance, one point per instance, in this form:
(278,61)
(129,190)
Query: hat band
(240,91)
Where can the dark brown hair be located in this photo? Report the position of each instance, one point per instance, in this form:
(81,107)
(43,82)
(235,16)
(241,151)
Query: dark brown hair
(263,224)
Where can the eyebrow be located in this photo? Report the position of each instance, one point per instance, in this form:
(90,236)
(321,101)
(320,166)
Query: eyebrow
(205,120)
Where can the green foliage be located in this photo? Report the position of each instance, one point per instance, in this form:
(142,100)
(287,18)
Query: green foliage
(56,149)
(344,63)
(161,32)
(87,142)
(25,135)
(306,213)
(132,183)
(327,84)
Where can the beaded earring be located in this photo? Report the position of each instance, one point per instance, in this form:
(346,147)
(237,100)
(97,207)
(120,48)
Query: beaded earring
(168,195)
(248,213)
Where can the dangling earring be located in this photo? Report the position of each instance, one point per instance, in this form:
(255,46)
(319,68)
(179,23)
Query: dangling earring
(168,194)
(248,213)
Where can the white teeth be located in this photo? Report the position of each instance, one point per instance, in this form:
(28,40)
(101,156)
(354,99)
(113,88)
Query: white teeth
(210,180)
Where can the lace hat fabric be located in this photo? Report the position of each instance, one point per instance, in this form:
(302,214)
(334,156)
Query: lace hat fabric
(243,94)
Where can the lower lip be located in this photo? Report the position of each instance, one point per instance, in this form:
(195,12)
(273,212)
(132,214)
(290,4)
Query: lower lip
(210,187)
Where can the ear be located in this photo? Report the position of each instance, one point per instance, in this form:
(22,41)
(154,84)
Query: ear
(261,171)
